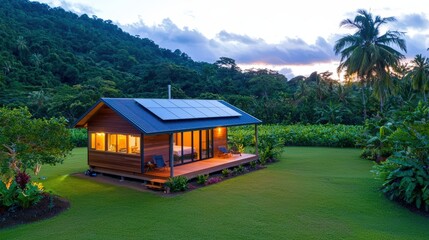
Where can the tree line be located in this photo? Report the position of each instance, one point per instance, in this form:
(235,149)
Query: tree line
(59,64)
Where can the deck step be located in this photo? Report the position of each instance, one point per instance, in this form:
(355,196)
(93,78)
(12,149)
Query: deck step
(156,183)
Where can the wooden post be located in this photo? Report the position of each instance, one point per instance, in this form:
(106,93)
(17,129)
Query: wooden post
(142,152)
(256,139)
(171,156)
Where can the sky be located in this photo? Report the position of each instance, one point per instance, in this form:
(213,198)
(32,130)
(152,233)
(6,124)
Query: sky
(292,37)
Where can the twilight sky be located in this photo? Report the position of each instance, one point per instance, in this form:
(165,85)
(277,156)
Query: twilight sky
(292,37)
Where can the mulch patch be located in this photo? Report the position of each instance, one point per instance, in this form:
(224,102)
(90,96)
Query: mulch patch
(44,209)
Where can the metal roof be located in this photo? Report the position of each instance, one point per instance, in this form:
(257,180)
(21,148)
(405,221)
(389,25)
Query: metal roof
(148,123)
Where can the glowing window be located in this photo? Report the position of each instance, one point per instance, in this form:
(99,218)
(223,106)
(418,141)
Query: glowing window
(100,141)
(92,140)
(122,143)
(112,143)
(134,144)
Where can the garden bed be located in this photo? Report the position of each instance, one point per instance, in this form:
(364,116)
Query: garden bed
(49,206)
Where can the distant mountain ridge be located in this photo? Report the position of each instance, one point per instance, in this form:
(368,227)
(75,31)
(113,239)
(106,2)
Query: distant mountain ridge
(59,64)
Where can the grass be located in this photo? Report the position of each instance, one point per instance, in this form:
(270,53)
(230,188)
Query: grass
(312,193)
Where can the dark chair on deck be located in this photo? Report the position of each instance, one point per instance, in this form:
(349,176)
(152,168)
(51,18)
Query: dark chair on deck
(159,161)
(224,152)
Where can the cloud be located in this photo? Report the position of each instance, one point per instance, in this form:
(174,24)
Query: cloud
(287,72)
(242,48)
(168,35)
(231,37)
(289,51)
(417,44)
(412,21)
(77,8)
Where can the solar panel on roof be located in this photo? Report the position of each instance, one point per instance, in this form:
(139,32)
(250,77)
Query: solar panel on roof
(163,113)
(165,103)
(194,112)
(180,113)
(206,111)
(181,103)
(180,109)
(148,103)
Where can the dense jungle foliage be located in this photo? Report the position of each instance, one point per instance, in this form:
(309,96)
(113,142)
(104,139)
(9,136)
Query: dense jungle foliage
(58,64)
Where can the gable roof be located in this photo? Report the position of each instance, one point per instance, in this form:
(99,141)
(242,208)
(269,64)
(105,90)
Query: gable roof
(147,122)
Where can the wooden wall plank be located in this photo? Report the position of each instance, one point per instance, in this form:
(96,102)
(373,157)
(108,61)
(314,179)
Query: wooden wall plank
(115,161)
(106,120)
(156,145)
(219,139)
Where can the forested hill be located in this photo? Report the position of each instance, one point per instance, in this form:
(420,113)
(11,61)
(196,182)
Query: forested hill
(59,63)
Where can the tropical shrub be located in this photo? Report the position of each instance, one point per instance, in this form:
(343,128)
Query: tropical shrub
(177,184)
(8,194)
(253,164)
(405,173)
(202,179)
(405,180)
(31,194)
(375,139)
(269,147)
(226,172)
(239,170)
(24,197)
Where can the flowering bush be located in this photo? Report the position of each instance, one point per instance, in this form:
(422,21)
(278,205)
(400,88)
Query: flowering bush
(213,180)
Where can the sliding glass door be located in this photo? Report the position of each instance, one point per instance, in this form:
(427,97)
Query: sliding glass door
(193,146)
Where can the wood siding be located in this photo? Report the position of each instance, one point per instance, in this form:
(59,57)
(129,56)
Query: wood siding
(114,161)
(106,120)
(156,145)
(219,139)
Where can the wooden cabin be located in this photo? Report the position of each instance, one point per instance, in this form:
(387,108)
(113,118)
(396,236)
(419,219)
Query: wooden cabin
(124,133)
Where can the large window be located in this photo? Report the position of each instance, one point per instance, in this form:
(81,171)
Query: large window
(98,141)
(112,143)
(120,143)
(133,144)
(192,146)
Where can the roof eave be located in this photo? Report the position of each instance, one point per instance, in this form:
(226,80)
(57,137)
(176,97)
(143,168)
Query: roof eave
(81,122)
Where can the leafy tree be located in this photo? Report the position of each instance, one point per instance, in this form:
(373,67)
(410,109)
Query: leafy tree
(265,86)
(419,74)
(27,143)
(368,54)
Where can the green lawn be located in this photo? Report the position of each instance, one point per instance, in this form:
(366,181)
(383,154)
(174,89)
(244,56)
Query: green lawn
(312,193)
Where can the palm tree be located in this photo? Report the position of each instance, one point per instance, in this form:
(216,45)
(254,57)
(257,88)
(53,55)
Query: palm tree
(419,74)
(369,55)
(21,44)
(36,59)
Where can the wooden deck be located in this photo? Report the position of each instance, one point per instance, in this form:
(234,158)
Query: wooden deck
(189,170)
(192,170)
